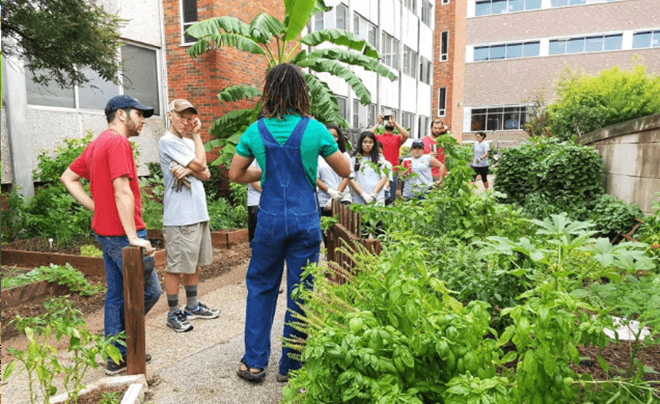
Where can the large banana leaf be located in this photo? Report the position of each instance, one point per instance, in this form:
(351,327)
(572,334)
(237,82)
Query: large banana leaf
(264,27)
(237,93)
(348,57)
(218,25)
(343,38)
(231,122)
(296,15)
(341,71)
(324,104)
(232,40)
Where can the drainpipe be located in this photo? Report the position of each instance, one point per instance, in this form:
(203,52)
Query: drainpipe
(14,98)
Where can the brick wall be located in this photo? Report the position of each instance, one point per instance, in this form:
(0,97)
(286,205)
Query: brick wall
(200,80)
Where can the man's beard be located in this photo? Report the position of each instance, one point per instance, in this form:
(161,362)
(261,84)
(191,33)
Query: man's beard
(389,128)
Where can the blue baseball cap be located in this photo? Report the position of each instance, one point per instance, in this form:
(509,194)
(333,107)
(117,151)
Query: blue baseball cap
(126,101)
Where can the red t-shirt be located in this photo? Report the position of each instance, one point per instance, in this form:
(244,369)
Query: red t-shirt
(428,142)
(391,145)
(108,157)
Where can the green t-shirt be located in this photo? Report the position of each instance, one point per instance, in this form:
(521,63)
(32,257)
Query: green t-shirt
(316,141)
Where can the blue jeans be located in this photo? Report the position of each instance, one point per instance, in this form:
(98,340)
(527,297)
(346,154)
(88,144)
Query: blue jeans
(395,181)
(113,321)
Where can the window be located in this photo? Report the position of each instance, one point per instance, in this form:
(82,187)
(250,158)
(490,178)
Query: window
(188,18)
(139,79)
(597,43)
(390,51)
(648,39)
(488,7)
(411,5)
(563,3)
(341,17)
(427,12)
(342,103)
(409,62)
(364,116)
(356,113)
(319,21)
(424,124)
(444,46)
(408,121)
(498,118)
(507,51)
(442,101)
(445,2)
(365,30)
(425,70)
(371,115)
(50,95)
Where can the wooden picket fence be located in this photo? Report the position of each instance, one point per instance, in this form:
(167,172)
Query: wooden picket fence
(344,238)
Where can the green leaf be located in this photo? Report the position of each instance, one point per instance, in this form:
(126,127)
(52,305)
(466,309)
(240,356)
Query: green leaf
(342,38)
(231,122)
(324,104)
(230,40)
(510,357)
(238,92)
(336,69)
(603,364)
(217,26)
(297,13)
(264,26)
(9,370)
(354,59)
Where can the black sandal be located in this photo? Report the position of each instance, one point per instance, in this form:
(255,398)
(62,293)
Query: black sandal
(249,375)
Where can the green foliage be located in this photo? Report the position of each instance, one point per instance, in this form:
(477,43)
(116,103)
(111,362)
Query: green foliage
(649,233)
(41,33)
(585,103)
(546,177)
(50,166)
(152,191)
(224,216)
(40,360)
(90,250)
(612,216)
(61,274)
(279,42)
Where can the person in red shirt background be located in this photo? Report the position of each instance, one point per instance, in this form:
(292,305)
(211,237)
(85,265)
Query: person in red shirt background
(431,147)
(108,164)
(391,145)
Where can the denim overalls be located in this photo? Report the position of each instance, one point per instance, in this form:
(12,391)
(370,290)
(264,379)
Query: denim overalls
(288,228)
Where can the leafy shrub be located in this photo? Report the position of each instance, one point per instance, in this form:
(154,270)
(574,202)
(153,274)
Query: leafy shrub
(50,166)
(224,216)
(562,172)
(613,216)
(587,103)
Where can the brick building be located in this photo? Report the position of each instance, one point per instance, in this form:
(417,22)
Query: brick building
(507,51)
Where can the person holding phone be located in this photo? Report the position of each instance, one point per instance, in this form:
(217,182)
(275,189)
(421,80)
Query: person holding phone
(431,147)
(391,145)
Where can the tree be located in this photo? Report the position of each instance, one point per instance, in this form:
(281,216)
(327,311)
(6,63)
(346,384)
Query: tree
(58,39)
(584,103)
(278,42)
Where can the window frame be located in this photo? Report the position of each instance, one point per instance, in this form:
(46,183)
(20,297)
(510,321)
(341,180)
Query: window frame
(427,12)
(186,24)
(391,42)
(410,61)
(442,102)
(121,88)
(444,46)
(488,114)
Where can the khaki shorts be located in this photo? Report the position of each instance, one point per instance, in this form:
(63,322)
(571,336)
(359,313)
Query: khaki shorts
(187,247)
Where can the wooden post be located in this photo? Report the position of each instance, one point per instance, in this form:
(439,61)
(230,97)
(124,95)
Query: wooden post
(134,310)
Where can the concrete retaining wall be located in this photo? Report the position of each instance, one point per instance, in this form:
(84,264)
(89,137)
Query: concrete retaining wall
(631,156)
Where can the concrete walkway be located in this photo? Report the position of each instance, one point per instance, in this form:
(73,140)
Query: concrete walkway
(198,366)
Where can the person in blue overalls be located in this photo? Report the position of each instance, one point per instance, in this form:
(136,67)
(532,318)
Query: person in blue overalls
(286,142)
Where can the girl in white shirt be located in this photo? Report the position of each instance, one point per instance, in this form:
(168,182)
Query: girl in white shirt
(330,185)
(368,169)
(420,164)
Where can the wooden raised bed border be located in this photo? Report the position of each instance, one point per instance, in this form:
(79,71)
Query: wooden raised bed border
(219,239)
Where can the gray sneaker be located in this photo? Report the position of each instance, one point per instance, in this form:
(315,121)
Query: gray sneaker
(201,311)
(178,322)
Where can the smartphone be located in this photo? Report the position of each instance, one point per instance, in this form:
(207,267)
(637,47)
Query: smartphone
(386,117)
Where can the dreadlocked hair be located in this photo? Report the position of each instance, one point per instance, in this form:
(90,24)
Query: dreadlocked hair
(285,92)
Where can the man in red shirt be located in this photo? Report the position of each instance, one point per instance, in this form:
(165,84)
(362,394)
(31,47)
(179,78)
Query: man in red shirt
(391,145)
(108,164)
(431,147)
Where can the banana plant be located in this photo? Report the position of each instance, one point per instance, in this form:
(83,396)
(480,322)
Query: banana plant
(280,42)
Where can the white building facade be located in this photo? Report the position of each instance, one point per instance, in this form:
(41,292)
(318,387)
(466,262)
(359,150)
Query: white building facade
(402,31)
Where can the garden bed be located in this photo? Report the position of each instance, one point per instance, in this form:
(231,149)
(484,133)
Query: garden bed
(33,253)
